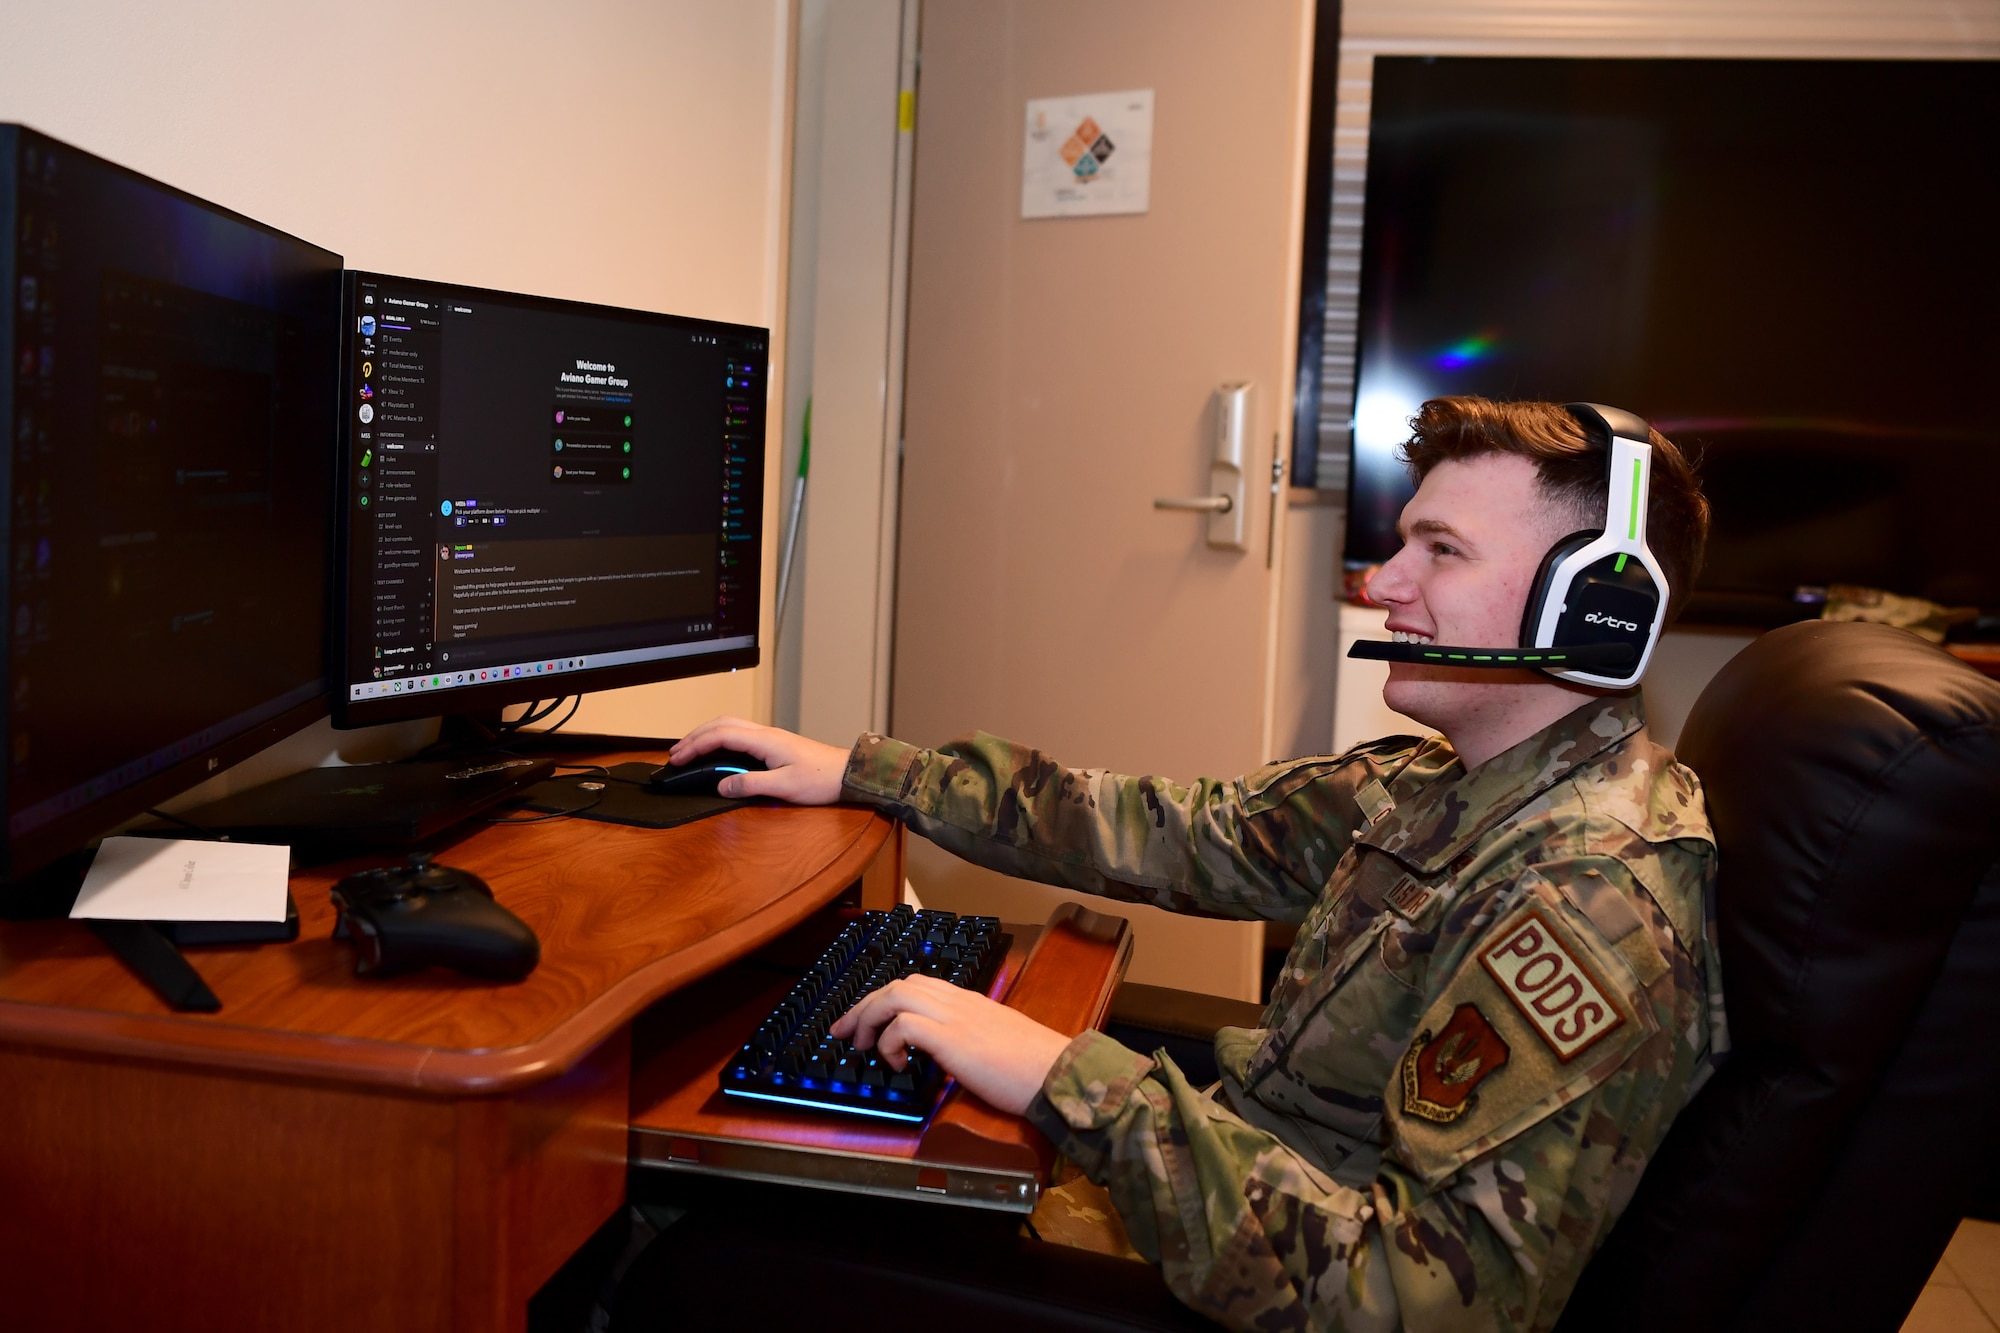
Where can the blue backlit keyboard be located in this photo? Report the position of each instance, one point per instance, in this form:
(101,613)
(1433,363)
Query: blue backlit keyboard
(791,1059)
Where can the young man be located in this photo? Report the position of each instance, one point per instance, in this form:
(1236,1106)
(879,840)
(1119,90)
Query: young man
(1504,986)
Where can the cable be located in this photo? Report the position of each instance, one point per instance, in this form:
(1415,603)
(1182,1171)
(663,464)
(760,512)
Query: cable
(536,712)
(536,715)
(576,702)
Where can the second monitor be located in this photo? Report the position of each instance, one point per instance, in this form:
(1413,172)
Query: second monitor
(542,498)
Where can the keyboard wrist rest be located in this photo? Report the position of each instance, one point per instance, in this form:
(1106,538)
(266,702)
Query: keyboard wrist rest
(1066,983)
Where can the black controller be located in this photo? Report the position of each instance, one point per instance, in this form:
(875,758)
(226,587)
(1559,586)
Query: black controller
(404,917)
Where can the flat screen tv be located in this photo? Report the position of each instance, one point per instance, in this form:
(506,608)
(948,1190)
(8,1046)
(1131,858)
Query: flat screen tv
(1790,266)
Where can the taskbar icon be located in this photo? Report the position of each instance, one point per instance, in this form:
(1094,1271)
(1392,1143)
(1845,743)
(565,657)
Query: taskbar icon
(460,679)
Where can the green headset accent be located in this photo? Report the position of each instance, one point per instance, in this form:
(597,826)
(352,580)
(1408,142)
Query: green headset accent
(1588,655)
(1604,586)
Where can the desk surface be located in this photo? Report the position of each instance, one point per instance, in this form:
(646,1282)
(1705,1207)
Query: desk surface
(625,915)
(457,1141)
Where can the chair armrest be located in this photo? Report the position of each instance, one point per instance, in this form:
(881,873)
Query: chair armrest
(1180,1013)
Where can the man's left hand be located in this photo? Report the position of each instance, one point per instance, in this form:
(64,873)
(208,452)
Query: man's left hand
(999,1053)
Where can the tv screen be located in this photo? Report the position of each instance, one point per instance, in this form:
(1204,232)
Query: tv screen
(1788,266)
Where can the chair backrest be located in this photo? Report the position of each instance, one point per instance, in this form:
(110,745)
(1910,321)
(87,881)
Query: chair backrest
(1853,780)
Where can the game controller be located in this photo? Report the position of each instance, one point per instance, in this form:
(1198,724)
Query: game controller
(401,918)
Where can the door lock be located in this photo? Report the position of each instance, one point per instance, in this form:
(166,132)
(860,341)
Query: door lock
(1224,504)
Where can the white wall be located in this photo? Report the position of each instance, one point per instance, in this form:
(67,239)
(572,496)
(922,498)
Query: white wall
(631,152)
(801,299)
(864,56)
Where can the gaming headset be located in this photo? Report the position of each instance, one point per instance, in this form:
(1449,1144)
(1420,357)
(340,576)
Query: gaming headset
(1599,601)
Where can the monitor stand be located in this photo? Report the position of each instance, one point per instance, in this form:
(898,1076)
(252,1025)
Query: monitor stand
(48,894)
(150,950)
(153,958)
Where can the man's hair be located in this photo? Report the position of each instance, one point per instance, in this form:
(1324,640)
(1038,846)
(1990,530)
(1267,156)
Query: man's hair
(1572,471)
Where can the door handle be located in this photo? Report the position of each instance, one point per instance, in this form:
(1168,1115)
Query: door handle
(1224,505)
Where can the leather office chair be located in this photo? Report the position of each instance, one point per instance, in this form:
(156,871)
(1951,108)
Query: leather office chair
(1853,780)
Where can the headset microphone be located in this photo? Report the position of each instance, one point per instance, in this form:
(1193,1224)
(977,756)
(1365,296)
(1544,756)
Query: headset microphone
(1599,601)
(1553,659)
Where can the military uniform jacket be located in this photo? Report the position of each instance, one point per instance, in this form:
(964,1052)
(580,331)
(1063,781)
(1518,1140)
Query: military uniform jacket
(1503,990)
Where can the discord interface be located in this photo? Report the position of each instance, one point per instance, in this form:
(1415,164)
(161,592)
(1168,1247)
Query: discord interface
(538,488)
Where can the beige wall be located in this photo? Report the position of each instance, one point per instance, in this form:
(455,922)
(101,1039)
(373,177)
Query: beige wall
(631,152)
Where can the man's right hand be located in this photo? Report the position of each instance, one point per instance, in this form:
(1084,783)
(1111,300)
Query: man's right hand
(798,770)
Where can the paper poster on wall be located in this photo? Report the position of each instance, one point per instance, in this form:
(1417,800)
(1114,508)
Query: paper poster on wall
(1087,155)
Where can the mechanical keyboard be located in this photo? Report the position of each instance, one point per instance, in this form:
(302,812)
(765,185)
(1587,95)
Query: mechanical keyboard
(791,1059)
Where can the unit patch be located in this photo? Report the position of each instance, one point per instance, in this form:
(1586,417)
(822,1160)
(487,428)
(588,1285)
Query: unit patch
(1440,1073)
(1409,898)
(1567,1005)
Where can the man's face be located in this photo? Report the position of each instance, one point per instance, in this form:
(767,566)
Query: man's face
(1473,536)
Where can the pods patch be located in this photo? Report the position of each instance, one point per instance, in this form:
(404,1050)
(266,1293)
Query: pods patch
(1560,997)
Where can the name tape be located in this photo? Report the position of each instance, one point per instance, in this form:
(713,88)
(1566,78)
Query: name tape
(1409,898)
(1559,997)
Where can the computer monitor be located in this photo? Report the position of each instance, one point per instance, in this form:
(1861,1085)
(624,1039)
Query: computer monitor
(169,380)
(541,498)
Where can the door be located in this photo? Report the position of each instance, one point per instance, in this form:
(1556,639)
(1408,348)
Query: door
(1061,375)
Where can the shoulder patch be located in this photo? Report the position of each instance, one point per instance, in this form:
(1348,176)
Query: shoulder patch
(1555,991)
(1440,1073)
(1565,1008)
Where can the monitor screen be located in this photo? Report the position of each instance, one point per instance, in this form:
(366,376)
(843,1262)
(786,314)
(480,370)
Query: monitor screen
(542,498)
(169,378)
(1786,265)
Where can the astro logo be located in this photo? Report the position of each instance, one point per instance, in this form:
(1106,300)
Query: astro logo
(1613,622)
(1087,149)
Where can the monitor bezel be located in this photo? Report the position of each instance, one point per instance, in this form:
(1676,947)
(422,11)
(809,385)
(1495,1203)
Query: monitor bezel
(349,713)
(70,832)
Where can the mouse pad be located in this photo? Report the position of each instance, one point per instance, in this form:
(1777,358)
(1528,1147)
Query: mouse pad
(621,800)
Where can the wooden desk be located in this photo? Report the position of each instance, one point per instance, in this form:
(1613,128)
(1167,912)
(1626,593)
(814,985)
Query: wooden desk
(1983,657)
(336,1153)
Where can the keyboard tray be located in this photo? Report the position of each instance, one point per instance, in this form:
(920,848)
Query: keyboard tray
(1061,974)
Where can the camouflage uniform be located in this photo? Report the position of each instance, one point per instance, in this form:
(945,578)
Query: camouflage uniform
(1504,988)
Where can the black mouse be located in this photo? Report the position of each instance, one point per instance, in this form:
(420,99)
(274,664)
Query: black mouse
(699,776)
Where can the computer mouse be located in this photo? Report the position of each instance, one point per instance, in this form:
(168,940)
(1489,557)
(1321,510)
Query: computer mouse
(700,776)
